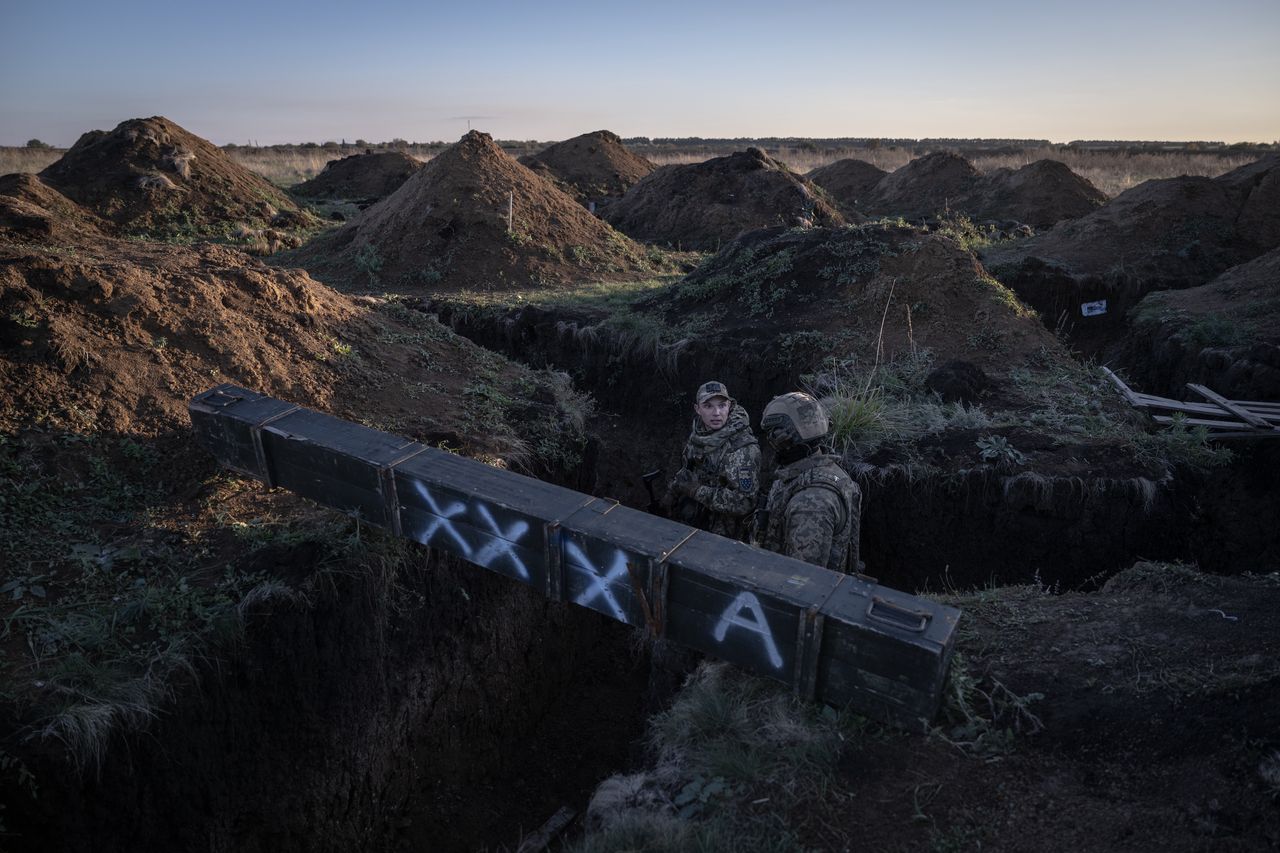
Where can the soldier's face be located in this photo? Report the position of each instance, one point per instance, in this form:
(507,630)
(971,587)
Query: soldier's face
(713,412)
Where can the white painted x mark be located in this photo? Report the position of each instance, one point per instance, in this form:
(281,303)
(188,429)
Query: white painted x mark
(440,520)
(599,585)
(502,543)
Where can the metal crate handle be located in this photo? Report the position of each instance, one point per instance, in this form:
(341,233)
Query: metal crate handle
(897,615)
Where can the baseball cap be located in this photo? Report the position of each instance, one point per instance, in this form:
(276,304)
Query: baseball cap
(707,390)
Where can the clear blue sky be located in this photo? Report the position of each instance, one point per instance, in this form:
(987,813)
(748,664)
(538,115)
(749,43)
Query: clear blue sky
(235,71)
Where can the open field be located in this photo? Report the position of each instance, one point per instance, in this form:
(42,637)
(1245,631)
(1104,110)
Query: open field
(1110,171)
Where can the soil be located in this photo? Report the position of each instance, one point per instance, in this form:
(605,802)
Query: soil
(446,229)
(1224,335)
(705,205)
(1040,194)
(360,177)
(849,181)
(924,187)
(594,167)
(150,177)
(32,210)
(1173,233)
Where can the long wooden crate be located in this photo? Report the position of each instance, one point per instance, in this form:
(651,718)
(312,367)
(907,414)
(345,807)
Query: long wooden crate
(835,638)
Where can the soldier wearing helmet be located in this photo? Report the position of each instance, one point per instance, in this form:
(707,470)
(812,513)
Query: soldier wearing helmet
(814,509)
(717,485)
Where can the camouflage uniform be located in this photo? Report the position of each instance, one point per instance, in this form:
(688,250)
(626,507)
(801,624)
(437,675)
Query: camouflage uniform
(726,466)
(815,513)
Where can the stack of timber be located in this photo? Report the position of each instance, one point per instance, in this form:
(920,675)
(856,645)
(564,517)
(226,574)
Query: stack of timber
(835,638)
(1222,418)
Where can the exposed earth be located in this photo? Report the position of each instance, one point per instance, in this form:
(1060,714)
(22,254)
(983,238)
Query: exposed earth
(474,218)
(362,177)
(190,661)
(705,205)
(594,167)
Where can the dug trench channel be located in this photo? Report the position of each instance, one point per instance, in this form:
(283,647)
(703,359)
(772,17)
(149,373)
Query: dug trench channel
(947,530)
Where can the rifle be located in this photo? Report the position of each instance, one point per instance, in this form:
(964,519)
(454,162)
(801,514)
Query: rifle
(654,507)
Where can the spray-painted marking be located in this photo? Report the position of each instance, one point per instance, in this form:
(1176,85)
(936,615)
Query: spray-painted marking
(732,617)
(440,519)
(502,543)
(599,587)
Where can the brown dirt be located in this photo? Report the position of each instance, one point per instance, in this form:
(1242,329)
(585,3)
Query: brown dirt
(364,177)
(446,229)
(32,210)
(98,332)
(849,181)
(1040,194)
(1174,233)
(1224,334)
(924,187)
(705,205)
(151,177)
(592,167)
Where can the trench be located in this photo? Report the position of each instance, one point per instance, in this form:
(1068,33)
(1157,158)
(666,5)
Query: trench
(958,530)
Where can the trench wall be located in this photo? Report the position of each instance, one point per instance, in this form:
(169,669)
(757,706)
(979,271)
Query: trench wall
(356,721)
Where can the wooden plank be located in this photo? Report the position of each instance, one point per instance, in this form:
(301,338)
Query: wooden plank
(541,840)
(1204,409)
(1198,422)
(1128,392)
(1241,413)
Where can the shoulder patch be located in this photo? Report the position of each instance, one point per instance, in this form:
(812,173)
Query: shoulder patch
(745,484)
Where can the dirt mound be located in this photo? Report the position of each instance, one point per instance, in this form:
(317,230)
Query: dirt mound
(119,334)
(369,176)
(446,228)
(924,187)
(153,178)
(1040,194)
(1225,335)
(32,210)
(849,181)
(1172,233)
(591,167)
(806,295)
(705,205)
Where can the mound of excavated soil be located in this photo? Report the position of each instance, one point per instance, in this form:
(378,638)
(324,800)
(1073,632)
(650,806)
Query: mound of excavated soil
(848,181)
(591,167)
(705,205)
(446,228)
(1040,194)
(1173,233)
(32,210)
(1224,335)
(373,175)
(151,177)
(117,335)
(852,291)
(924,187)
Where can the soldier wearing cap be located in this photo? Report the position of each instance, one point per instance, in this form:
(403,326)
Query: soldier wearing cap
(814,510)
(716,488)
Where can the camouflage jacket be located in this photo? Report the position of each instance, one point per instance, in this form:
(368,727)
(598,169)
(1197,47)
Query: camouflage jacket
(726,465)
(815,513)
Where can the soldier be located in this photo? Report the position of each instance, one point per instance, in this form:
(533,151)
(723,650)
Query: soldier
(814,509)
(717,486)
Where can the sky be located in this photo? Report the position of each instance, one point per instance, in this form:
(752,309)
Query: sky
(278,71)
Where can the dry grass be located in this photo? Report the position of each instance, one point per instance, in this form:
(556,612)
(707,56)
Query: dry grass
(26,160)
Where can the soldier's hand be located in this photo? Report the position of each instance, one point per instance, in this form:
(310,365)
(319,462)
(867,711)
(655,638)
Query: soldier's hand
(684,483)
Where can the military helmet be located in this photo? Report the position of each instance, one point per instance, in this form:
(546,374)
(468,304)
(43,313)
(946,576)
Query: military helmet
(793,419)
